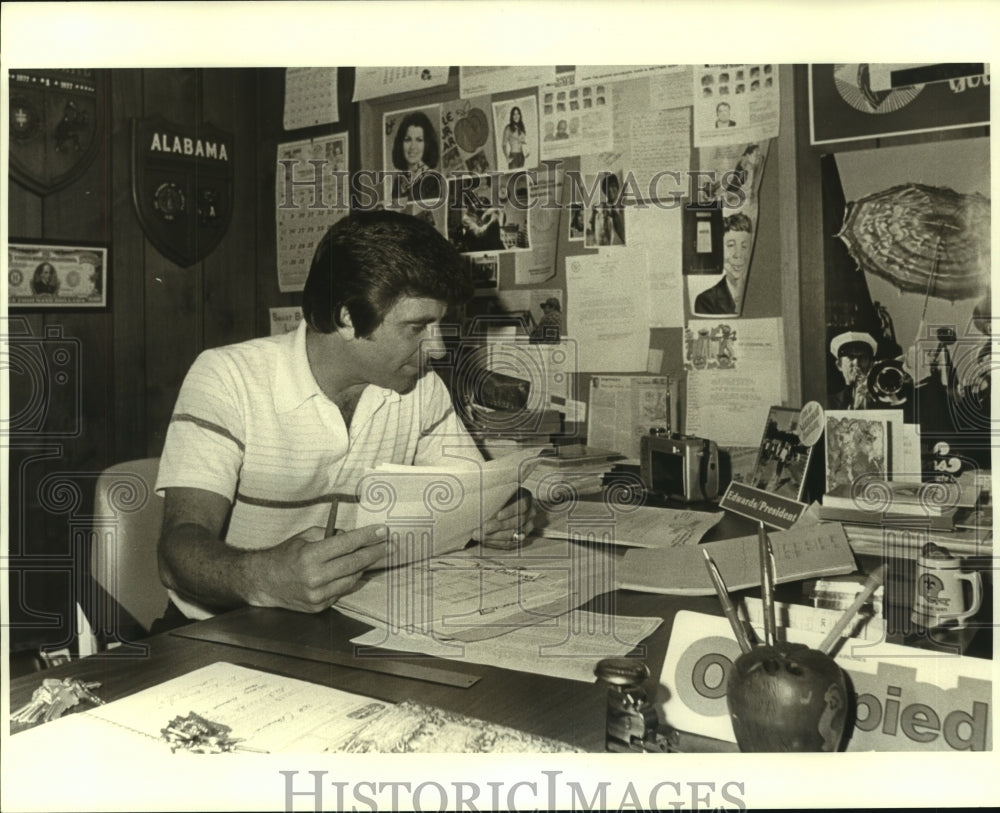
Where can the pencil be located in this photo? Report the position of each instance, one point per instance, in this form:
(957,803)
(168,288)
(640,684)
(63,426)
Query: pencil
(875,580)
(331,522)
(767,584)
(727,604)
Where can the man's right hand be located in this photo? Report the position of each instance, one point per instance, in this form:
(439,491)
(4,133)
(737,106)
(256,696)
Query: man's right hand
(310,571)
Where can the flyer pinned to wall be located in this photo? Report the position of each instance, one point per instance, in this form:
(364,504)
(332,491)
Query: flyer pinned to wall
(734,103)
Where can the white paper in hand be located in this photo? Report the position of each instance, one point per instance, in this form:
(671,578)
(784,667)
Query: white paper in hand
(433,510)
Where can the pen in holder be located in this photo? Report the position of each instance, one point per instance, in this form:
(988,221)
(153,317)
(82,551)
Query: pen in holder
(781,696)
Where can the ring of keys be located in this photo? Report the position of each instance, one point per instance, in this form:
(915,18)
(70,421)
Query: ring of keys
(53,697)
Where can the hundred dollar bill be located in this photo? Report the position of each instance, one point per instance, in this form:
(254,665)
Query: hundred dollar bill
(55,275)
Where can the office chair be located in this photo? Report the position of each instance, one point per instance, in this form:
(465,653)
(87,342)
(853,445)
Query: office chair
(128,515)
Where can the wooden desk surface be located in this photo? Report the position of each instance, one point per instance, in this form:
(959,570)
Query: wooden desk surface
(568,710)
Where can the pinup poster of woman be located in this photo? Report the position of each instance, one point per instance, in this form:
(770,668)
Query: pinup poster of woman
(412,146)
(605,219)
(515,124)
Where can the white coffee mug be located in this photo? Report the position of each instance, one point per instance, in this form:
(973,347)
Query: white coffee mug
(941,597)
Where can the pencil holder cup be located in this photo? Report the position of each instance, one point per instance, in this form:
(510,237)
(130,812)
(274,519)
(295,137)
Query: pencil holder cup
(787,697)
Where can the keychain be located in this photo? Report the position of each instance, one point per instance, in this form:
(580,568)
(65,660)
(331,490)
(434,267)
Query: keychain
(54,697)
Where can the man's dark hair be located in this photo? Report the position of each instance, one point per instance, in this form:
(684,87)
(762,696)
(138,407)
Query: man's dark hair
(369,260)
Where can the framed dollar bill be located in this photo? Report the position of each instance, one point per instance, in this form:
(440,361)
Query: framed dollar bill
(52,274)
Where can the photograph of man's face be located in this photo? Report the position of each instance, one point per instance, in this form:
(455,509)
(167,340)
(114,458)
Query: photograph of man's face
(854,362)
(736,246)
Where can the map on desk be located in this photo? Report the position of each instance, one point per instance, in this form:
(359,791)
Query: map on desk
(567,646)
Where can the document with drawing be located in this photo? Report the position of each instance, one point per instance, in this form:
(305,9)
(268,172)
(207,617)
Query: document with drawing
(472,595)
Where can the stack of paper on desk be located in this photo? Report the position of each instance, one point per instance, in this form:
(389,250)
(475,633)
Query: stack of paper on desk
(432,510)
(799,553)
(631,525)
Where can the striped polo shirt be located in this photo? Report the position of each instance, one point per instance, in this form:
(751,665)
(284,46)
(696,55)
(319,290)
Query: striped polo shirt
(252,424)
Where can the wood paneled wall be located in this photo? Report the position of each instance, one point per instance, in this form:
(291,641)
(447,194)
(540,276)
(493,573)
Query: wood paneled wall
(127,361)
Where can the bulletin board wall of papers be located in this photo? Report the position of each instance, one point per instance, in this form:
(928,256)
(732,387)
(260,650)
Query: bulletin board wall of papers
(547,262)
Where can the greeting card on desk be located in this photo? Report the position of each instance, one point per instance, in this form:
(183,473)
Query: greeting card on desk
(799,553)
(857,444)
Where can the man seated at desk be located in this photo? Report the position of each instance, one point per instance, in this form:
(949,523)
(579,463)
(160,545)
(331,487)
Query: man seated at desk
(265,433)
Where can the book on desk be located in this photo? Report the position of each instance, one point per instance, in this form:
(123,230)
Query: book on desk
(939,504)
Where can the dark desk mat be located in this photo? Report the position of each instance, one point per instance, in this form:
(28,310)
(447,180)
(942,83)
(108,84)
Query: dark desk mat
(219,630)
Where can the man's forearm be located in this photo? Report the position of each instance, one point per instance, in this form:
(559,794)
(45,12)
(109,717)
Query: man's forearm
(201,568)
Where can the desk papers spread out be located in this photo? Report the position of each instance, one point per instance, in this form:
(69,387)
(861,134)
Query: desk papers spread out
(478,593)
(630,525)
(799,553)
(267,713)
(433,510)
(569,646)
